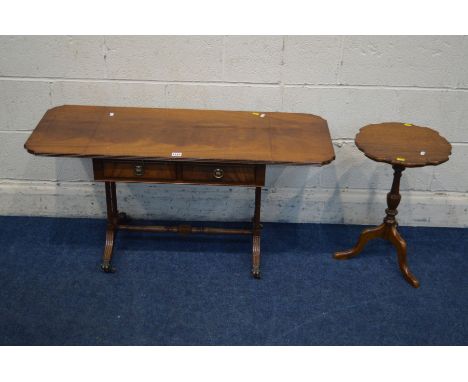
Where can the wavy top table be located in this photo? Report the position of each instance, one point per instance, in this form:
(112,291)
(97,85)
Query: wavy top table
(402,145)
(181,146)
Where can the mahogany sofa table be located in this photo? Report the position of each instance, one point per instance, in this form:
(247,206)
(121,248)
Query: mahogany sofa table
(402,145)
(181,146)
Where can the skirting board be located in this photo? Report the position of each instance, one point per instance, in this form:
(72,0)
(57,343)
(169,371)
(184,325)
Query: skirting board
(175,202)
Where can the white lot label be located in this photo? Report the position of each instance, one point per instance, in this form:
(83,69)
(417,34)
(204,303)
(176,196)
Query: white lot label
(176,154)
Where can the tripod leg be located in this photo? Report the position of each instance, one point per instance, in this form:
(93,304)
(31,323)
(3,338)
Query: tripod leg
(400,246)
(366,235)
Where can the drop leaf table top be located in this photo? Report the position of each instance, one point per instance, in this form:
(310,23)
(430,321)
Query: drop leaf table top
(182,134)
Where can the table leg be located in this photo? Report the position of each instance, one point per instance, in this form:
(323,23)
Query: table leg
(256,234)
(400,245)
(387,230)
(112,221)
(114,218)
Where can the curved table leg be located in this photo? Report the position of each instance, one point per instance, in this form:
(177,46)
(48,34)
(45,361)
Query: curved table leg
(256,257)
(366,235)
(106,265)
(400,245)
(256,235)
(112,221)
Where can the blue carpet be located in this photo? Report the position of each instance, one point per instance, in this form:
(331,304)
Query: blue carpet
(197,290)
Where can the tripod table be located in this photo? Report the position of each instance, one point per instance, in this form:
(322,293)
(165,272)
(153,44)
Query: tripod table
(402,145)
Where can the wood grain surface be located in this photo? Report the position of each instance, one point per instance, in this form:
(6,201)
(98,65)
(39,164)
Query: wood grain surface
(118,170)
(403,144)
(191,135)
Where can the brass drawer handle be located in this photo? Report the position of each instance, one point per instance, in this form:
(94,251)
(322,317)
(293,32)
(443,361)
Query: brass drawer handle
(218,173)
(139,170)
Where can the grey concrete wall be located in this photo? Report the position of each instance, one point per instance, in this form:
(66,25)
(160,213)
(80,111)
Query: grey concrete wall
(349,80)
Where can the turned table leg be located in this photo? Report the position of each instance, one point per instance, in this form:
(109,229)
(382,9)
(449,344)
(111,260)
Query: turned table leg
(112,221)
(387,230)
(256,234)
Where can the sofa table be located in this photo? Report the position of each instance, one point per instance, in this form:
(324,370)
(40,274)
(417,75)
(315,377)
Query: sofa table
(181,146)
(402,145)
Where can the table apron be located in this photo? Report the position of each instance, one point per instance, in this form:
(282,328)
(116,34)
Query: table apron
(204,173)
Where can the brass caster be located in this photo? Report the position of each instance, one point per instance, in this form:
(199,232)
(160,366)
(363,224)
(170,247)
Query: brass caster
(107,268)
(256,275)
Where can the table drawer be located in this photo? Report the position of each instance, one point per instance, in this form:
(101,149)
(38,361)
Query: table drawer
(134,170)
(219,173)
(179,172)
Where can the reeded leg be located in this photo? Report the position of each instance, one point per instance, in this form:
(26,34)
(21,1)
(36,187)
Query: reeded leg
(256,235)
(400,245)
(366,235)
(256,257)
(106,265)
(112,219)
